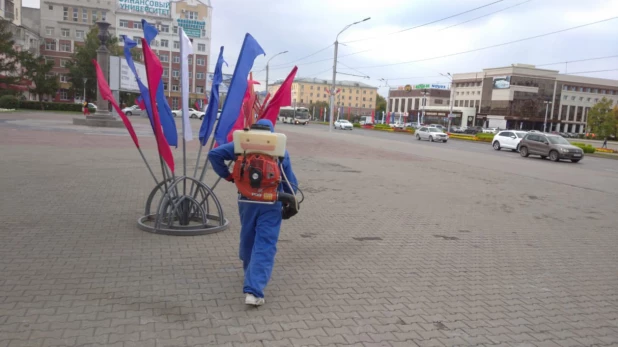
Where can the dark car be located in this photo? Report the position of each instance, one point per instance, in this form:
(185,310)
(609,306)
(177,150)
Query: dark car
(473,130)
(553,146)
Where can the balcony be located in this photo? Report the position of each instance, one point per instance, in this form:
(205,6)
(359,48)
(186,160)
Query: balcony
(9,9)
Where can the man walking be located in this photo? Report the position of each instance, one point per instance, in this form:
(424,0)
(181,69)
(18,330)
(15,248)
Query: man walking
(604,143)
(260,224)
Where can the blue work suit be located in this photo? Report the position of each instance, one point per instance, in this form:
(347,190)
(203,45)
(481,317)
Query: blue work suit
(260,223)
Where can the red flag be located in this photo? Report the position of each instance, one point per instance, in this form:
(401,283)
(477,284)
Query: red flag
(106,94)
(349,111)
(140,102)
(373,115)
(154,71)
(240,121)
(264,104)
(197,106)
(283,97)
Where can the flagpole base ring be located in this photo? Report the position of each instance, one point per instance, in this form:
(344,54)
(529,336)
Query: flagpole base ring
(186,207)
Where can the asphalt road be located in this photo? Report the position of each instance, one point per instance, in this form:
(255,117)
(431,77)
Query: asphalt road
(589,163)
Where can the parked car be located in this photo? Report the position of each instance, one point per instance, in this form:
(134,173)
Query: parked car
(473,130)
(193,113)
(343,124)
(490,130)
(397,125)
(508,139)
(218,115)
(133,110)
(456,129)
(432,134)
(553,146)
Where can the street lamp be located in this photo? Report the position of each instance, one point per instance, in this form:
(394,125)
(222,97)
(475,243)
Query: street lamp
(85,80)
(547,103)
(332,92)
(418,115)
(267,67)
(450,77)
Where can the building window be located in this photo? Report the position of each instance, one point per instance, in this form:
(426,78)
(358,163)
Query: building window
(103,16)
(51,7)
(64,78)
(164,85)
(174,87)
(201,47)
(75,15)
(175,103)
(65,13)
(65,47)
(164,58)
(63,62)
(175,73)
(203,32)
(165,28)
(190,60)
(165,43)
(466,103)
(200,61)
(138,40)
(191,15)
(175,30)
(124,23)
(199,75)
(64,94)
(49,31)
(137,25)
(565,97)
(199,89)
(50,45)
(176,59)
(84,15)
(176,44)
(65,32)
(95,16)
(166,72)
(50,60)
(439,101)
(79,34)
(573,98)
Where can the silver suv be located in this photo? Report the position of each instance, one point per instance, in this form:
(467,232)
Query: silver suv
(553,146)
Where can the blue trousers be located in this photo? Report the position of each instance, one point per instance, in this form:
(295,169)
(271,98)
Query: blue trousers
(260,225)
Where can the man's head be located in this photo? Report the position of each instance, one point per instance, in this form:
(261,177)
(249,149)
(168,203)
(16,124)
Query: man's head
(262,124)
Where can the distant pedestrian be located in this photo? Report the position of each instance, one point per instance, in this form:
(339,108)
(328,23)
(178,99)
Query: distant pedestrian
(86,110)
(604,143)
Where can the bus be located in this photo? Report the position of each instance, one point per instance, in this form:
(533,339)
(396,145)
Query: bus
(294,115)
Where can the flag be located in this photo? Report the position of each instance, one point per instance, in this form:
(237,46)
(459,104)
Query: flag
(154,70)
(140,103)
(373,115)
(213,105)
(264,104)
(106,94)
(145,96)
(282,97)
(233,102)
(165,112)
(186,49)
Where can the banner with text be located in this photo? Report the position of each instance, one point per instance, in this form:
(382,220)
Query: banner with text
(150,7)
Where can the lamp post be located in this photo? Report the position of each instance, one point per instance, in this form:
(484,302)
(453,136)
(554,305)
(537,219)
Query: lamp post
(547,103)
(450,77)
(418,117)
(267,67)
(84,95)
(103,60)
(332,92)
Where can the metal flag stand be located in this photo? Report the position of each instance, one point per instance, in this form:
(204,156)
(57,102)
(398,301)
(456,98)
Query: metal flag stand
(176,211)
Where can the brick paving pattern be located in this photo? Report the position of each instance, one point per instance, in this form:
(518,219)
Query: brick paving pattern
(396,245)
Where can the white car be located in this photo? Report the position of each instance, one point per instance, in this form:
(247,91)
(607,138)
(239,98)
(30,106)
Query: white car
(133,110)
(193,113)
(490,130)
(432,134)
(508,139)
(397,125)
(218,115)
(343,124)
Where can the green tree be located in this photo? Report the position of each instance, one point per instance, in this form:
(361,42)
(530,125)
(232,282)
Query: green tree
(318,106)
(80,66)
(36,70)
(380,104)
(9,59)
(602,119)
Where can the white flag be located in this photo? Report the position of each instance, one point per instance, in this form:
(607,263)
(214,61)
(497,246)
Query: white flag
(185,50)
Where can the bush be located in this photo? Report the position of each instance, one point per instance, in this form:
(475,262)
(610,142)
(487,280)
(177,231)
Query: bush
(9,102)
(356,125)
(587,148)
(485,137)
(381,126)
(50,106)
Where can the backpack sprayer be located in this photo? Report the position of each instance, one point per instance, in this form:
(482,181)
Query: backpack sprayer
(258,170)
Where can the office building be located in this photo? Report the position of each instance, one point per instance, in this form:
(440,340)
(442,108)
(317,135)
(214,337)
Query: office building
(522,96)
(355,98)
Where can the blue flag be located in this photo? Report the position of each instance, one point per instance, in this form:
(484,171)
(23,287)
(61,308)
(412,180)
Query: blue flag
(233,102)
(145,98)
(165,112)
(213,104)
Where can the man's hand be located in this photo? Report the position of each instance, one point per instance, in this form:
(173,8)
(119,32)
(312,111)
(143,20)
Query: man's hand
(230,178)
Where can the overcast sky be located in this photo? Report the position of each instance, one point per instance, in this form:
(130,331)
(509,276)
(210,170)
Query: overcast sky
(305,27)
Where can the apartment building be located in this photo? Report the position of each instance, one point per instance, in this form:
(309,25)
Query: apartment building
(520,96)
(65,24)
(357,98)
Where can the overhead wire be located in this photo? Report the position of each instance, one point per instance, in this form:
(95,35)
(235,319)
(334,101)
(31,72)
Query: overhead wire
(426,24)
(485,15)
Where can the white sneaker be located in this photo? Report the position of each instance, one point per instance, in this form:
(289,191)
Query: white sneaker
(253,300)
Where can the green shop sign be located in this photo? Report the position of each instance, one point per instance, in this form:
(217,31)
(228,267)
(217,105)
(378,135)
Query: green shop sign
(192,28)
